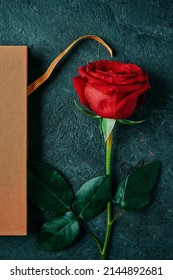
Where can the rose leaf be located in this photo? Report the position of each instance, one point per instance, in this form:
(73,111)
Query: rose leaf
(92,197)
(132,192)
(59,232)
(47,188)
(86,112)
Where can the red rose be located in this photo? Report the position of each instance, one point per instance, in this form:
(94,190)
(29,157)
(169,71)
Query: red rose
(111,89)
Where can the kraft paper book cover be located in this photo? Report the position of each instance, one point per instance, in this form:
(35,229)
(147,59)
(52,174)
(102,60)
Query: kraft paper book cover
(13,139)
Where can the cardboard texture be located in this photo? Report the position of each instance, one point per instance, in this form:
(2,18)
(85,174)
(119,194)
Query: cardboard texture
(13,140)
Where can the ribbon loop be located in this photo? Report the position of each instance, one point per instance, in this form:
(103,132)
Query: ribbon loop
(39,81)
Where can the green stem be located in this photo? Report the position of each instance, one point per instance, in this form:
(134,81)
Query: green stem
(116,217)
(87,229)
(91,234)
(108,154)
(109,205)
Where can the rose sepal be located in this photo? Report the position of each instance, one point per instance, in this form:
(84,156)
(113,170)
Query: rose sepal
(106,127)
(129,122)
(86,112)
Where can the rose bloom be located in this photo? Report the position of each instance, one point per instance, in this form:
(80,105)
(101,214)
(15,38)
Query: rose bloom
(111,89)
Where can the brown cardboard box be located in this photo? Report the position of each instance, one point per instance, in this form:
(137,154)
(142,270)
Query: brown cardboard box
(13,140)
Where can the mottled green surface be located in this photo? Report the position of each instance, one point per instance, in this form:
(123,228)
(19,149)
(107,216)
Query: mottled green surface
(140,32)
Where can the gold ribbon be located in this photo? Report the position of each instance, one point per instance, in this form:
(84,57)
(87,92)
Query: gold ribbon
(39,81)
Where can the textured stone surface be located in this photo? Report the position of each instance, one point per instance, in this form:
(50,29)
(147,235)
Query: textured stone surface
(140,32)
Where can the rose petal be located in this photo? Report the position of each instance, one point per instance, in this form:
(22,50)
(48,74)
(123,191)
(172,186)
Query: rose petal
(122,90)
(96,80)
(128,105)
(103,105)
(82,71)
(112,73)
(108,105)
(79,84)
(140,101)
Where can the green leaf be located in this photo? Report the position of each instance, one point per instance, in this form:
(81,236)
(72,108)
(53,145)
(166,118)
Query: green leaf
(59,232)
(128,122)
(107,127)
(86,112)
(133,192)
(47,189)
(92,197)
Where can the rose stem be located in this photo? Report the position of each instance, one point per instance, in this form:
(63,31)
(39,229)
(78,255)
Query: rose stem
(109,204)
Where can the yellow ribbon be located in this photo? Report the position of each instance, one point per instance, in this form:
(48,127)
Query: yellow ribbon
(39,81)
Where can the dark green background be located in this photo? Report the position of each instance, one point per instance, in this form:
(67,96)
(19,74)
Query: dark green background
(139,32)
